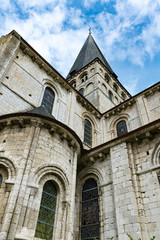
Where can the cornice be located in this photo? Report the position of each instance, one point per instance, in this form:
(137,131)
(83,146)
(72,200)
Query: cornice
(22,120)
(100,152)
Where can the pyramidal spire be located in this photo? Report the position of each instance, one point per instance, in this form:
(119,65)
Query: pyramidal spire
(89,52)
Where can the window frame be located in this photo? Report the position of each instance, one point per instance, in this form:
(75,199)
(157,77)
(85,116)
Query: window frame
(50,210)
(123,127)
(87,215)
(110,96)
(88,132)
(1,180)
(48,92)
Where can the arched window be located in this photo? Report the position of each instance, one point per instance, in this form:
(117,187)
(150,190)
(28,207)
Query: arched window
(84,77)
(90,211)
(110,95)
(81,91)
(88,132)
(48,99)
(121,128)
(1,179)
(107,78)
(45,223)
(73,83)
(123,95)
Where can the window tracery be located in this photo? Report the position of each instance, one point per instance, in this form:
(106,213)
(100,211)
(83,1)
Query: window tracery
(45,223)
(90,211)
(48,99)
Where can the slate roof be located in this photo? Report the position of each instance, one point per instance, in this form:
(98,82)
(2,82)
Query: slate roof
(41,111)
(89,52)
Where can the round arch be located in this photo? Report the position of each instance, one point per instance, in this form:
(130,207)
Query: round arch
(90,118)
(115,120)
(155,157)
(53,86)
(57,171)
(9,166)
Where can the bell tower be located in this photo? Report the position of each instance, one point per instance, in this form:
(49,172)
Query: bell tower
(93,77)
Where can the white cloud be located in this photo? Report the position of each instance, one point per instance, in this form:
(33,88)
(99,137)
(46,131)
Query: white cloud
(57,31)
(131,85)
(5,4)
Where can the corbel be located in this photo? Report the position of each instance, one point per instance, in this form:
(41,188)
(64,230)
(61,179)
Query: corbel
(98,115)
(25,50)
(49,72)
(41,65)
(92,159)
(101,156)
(21,123)
(149,135)
(138,140)
(63,136)
(34,58)
(71,143)
(52,130)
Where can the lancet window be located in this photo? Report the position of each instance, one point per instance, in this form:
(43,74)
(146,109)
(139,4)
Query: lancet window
(48,99)
(90,211)
(46,218)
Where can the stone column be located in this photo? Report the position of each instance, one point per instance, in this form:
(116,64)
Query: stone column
(125,199)
(72,196)
(142,109)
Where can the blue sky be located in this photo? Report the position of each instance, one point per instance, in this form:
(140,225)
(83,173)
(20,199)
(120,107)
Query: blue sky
(126,31)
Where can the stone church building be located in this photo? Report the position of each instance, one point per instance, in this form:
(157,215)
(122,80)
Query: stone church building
(79,156)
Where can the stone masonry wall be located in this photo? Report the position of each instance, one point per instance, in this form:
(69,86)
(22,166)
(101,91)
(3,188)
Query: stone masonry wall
(36,156)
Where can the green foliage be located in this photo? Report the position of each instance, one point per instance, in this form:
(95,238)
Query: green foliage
(139,238)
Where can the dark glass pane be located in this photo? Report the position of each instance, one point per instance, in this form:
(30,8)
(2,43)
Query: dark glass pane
(87,132)
(110,95)
(90,211)
(1,179)
(48,99)
(121,128)
(81,91)
(45,223)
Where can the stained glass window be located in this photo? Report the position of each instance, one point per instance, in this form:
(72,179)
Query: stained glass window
(121,128)
(1,179)
(48,99)
(45,223)
(87,132)
(90,211)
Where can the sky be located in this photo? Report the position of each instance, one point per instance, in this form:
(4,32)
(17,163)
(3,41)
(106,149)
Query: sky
(126,31)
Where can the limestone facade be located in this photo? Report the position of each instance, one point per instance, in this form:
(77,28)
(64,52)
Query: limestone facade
(35,148)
